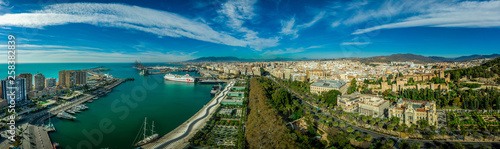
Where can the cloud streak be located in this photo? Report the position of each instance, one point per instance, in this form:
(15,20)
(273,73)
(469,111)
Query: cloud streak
(469,14)
(289,27)
(354,43)
(41,53)
(152,21)
(236,13)
(288,50)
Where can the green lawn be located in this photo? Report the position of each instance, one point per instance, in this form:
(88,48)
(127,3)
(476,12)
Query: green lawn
(41,103)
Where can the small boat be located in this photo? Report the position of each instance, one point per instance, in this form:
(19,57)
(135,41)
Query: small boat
(215,89)
(70,111)
(50,127)
(65,115)
(55,145)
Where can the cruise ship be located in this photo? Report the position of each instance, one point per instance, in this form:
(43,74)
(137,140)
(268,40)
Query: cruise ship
(180,78)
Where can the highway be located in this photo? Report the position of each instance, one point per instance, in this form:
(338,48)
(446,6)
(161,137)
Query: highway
(376,135)
(191,123)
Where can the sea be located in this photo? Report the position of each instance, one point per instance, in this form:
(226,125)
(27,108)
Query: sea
(114,121)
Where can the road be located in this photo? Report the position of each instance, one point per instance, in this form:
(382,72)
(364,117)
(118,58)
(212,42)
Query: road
(192,123)
(376,135)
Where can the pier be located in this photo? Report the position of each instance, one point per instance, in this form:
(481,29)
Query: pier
(85,98)
(34,135)
(178,138)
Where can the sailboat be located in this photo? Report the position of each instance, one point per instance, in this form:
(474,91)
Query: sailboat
(50,127)
(147,139)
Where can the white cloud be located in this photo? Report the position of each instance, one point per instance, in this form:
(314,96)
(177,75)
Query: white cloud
(469,14)
(4,3)
(40,53)
(388,10)
(288,50)
(31,46)
(354,43)
(289,27)
(236,13)
(335,23)
(152,21)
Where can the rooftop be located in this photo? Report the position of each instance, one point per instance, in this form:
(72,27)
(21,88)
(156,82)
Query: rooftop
(329,83)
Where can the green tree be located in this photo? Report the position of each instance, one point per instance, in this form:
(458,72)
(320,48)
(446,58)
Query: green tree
(368,137)
(416,145)
(352,87)
(349,129)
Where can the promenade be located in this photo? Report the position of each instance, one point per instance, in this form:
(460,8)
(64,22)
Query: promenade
(178,138)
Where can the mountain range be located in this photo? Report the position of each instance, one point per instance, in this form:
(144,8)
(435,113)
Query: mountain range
(383,59)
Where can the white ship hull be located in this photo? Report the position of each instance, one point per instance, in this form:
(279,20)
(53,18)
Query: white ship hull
(178,78)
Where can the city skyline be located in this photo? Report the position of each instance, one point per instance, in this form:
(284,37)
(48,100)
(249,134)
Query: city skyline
(172,31)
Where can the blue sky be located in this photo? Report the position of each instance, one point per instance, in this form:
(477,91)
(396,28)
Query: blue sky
(177,30)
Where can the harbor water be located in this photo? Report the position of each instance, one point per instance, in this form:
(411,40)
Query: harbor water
(114,121)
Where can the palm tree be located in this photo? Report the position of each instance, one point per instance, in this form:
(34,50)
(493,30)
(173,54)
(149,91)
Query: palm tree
(380,125)
(368,137)
(349,129)
(372,122)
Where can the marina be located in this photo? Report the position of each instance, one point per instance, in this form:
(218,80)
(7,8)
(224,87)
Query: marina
(170,97)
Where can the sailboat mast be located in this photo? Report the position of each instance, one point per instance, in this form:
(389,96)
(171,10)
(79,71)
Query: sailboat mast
(152,128)
(145,119)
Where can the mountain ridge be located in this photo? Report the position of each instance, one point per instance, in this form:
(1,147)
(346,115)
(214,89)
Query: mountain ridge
(385,59)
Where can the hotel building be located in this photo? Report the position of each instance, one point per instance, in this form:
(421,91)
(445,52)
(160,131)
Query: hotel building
(72,78)
(39,81)
(50,82)
(19,87)
(29,80)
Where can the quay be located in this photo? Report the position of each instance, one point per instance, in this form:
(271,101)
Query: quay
(86,97)
(178,138)
(34,135)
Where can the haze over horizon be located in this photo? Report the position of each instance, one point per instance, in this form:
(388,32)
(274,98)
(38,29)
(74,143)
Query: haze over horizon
(179,30)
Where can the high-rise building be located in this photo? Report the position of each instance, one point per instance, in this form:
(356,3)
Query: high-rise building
(19,88)
(72,78)
(29,80)
(50,82)
(39,81)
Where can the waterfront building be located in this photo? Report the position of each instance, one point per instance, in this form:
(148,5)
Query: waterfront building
(238,88)
(228,100)
(373,105)
(236,94)
(29,80)
(412,111)
(19,87)
(72,78)
(39,81)
(50,82)
(321,86)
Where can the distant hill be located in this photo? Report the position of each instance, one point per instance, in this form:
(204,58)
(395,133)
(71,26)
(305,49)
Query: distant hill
(400,58)
(423,59)
(473,57)
(215,59)
(235,59)
(384,59)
